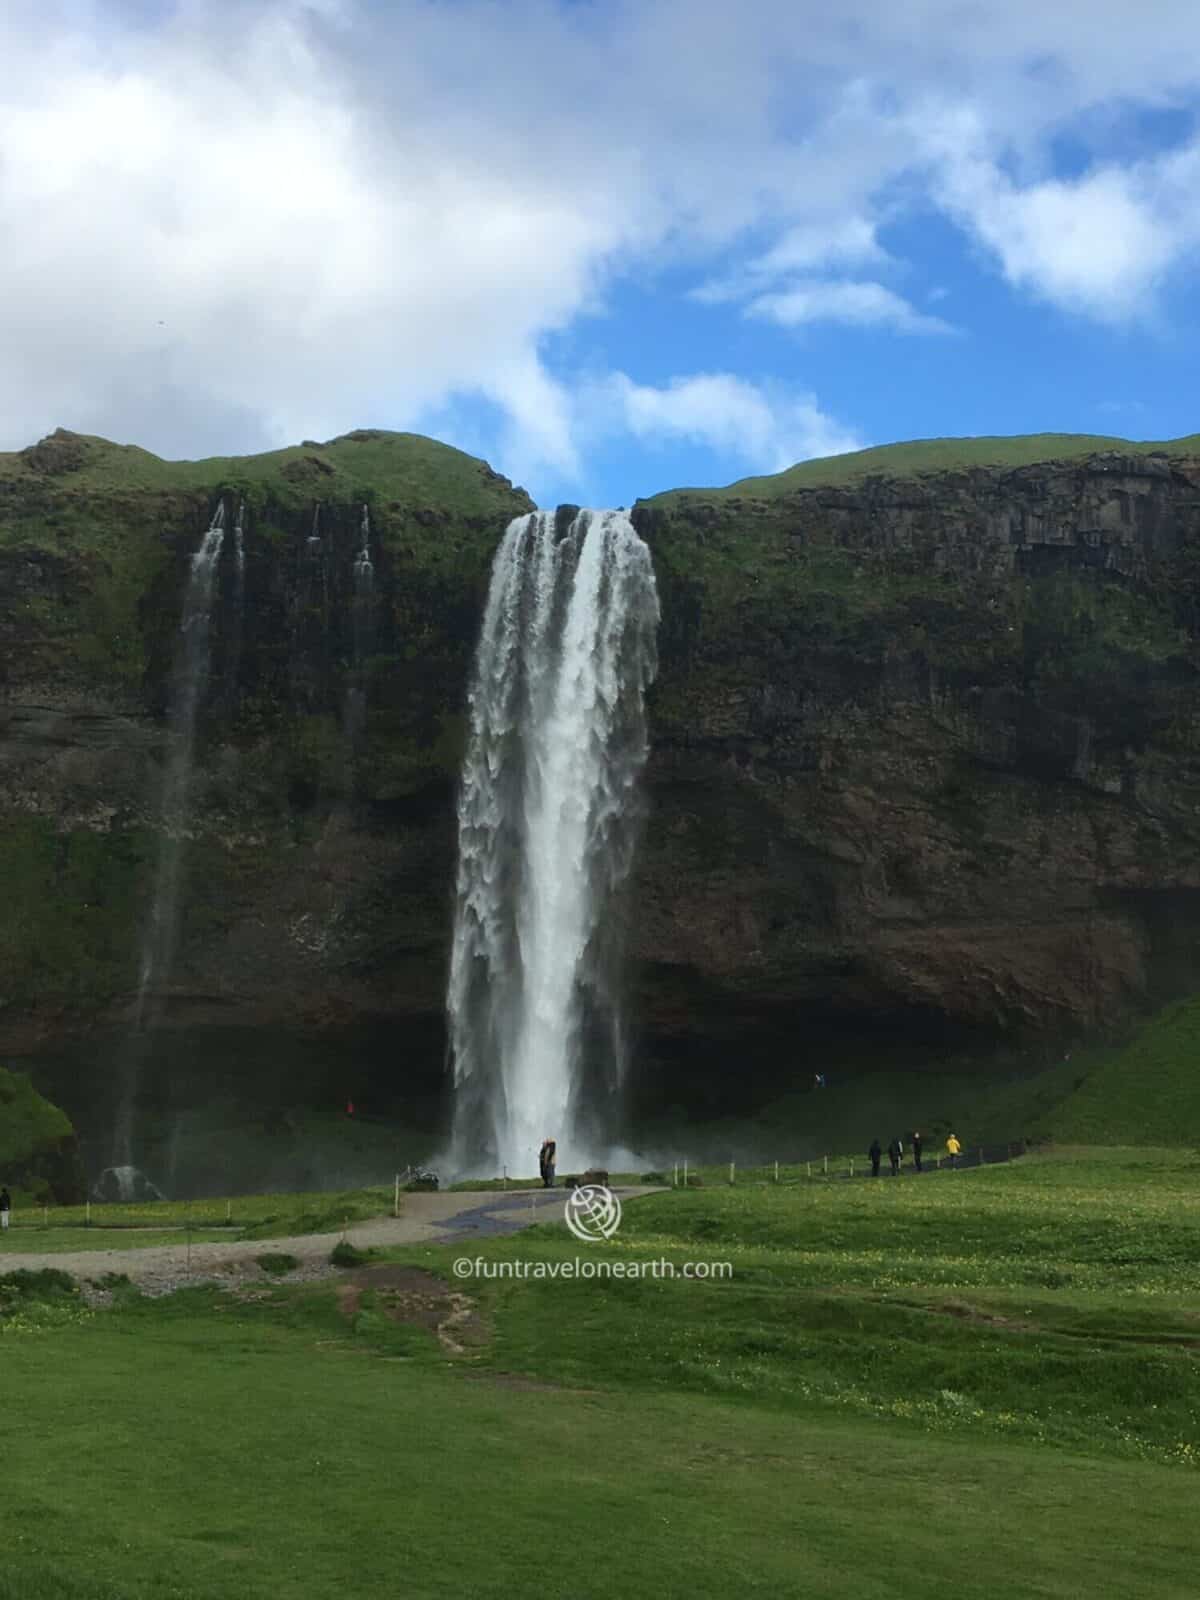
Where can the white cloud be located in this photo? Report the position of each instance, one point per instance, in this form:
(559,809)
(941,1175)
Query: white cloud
(810,246)
(1098,244)
(210,245)
(861,305)
(764,426)
(238,222)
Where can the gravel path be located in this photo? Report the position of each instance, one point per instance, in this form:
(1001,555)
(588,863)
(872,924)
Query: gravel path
(426,1219)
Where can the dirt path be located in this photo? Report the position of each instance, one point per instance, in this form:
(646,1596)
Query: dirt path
(426,1219)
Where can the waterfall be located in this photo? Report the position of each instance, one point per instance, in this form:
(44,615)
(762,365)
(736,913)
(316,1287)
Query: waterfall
(363,618)
(190,675)
(548,822)
(364,572)
(233,664)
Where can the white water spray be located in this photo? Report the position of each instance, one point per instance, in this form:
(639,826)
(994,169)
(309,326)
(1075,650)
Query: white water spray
(548,823)
(191,674)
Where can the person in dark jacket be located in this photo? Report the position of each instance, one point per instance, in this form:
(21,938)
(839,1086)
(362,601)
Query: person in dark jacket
(546,1159)
(916,1150)
(5,1207)
(895,1155)
(875,1153)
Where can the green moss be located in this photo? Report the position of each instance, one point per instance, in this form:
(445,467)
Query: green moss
(69,930)
(401,760)
(1081,630)
(315,758)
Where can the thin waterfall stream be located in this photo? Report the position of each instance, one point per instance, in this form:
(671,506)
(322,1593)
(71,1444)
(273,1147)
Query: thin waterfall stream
(362,625)
(159,935)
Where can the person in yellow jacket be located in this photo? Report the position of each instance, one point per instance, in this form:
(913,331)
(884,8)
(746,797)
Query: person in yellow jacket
(953,1149)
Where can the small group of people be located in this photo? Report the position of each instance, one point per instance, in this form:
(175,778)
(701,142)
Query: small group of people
(895,1152)
(547,1156)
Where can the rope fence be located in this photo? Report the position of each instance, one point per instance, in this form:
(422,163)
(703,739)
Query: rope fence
(686,1173)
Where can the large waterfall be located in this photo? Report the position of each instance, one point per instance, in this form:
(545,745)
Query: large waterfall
(158,940)
(548,821)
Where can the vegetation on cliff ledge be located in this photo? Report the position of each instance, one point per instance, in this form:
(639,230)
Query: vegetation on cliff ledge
(91,531)
(917,457)
(38,1154)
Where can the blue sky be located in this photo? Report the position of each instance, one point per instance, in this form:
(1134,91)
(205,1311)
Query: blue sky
(613,247)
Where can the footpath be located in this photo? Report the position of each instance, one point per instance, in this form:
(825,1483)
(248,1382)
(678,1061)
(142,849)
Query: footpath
(425,1219)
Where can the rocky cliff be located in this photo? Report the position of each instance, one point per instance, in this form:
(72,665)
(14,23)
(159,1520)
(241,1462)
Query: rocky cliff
(926,763)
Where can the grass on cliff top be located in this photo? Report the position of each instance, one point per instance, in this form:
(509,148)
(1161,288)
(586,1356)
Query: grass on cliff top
(976,1385)
(369,464)
(925,455)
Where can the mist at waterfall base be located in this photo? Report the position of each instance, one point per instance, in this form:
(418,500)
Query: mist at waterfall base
(549,817)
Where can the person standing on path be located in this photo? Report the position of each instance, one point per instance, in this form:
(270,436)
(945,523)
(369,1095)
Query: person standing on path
(895,1156)
(5,1208)
(916,1150)
(546,1160)
(875,1153)
(953,1148)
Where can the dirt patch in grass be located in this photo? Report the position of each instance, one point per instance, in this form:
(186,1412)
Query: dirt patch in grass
(969,1313)
(420,1299)
(1092,1335)
(519,1382)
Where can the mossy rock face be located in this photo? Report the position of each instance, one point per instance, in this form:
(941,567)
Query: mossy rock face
(925,755)
(39,1155)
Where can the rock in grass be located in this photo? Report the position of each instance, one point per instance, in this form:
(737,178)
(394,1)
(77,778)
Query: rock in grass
(344,1254)
(278,1262)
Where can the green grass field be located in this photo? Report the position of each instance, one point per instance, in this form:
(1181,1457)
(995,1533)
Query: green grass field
(238,1217)
(976,1383)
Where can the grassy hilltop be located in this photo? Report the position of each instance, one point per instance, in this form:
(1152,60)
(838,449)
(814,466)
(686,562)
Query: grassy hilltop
(109,518)
(368,464)
(917,457)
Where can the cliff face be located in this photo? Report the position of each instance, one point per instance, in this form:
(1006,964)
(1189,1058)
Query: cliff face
(927,756)
(926,759)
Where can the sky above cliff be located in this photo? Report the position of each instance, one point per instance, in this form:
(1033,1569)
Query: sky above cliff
(613,245)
